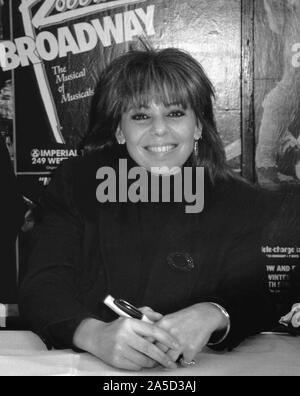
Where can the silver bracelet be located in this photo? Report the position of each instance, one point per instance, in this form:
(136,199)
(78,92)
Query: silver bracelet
(226,314)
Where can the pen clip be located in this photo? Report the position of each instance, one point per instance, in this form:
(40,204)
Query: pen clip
(128,308)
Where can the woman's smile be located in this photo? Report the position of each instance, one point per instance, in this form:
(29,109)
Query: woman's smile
(161,149)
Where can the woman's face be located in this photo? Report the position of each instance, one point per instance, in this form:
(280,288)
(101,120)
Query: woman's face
(159,135)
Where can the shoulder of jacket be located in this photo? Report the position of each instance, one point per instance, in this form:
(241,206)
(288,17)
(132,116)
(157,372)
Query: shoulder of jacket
(247,203)
(76,179)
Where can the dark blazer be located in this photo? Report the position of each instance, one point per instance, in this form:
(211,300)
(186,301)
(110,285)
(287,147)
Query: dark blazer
(85,250)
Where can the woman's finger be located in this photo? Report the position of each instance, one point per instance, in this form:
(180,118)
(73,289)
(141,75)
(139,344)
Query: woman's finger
(152,351)
(126,364)
(150,339)
(174,355)
(162,347)
(189,352)
(138,358)
(152,315)
(158,334)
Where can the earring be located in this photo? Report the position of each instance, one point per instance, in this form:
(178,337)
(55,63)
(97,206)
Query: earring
(120,137)
(196,147)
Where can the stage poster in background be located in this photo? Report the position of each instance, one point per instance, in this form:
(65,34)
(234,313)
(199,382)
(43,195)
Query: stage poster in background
(277,87)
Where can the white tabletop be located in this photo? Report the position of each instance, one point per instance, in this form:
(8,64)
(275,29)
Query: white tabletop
(23,353)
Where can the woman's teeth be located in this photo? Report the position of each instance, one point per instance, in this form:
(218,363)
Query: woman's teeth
(161,149)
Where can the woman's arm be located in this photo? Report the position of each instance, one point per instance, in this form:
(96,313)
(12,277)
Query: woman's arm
(49,292)
(243,291)
(49,298)
(243,294)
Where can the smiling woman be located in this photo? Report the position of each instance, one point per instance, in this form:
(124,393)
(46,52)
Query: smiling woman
(199,276)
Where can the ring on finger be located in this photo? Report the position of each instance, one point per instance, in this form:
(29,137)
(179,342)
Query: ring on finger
(184,363)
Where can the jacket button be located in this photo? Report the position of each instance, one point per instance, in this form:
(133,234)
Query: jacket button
(181,261)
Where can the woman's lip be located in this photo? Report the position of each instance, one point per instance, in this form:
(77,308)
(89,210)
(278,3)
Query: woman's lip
(163,148)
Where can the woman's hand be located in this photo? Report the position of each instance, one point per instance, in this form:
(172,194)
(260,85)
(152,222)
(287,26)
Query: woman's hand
(124,343)
(192,327)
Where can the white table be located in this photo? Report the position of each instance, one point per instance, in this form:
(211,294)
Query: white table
(23,353)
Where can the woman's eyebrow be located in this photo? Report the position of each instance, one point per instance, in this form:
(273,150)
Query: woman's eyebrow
(147,107)
(174,104)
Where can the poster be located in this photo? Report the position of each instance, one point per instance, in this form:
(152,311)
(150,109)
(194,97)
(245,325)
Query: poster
(277,125)
(281,248)
(277,102)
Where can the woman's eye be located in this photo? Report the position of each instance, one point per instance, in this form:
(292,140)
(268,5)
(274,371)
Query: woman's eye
(176,113)
(139,117)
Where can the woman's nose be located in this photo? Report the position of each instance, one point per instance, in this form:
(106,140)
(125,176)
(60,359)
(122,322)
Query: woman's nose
(159,126)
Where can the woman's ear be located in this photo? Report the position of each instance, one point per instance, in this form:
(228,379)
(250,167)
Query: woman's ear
(119,136)
(198,131)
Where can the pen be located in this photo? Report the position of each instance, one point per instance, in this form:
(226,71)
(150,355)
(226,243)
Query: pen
(124,308)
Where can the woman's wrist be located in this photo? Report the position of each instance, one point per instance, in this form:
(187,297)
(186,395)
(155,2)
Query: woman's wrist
(220,333)
(224,316)
(216,320)
(84,334)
